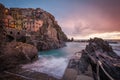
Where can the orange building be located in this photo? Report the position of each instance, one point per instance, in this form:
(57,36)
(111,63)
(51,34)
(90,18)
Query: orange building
(9,21)
(32,25)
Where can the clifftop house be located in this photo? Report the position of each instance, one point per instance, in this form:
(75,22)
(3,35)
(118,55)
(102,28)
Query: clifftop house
(23,19)
(20,22)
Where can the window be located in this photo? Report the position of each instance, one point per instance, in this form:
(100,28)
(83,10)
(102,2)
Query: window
(18,33)
(4,34)
(11,32)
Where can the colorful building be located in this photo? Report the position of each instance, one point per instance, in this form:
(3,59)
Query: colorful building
(9,21)
(32,25)
(23,19)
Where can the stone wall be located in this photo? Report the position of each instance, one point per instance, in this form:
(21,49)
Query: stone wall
(16,34)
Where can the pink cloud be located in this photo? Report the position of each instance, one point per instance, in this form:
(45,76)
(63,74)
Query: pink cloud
(91,21)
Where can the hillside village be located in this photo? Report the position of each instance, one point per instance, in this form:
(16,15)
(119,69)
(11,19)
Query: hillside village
(23,19)
(20,21)
(32,26)
(23,33)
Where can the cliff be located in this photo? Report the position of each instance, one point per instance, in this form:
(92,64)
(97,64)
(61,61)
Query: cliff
(13,53)
(34,26)
(24,31)
(50,35)
(2,31)
(16,53)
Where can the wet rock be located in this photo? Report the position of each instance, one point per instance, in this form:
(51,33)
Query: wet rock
(102,56)
(16,53)
(78,68)
(99,56)
(98,44)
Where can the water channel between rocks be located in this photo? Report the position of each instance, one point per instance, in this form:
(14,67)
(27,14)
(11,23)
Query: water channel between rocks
(54,62)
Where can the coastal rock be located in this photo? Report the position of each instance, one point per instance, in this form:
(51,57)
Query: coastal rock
(104,61)
(2,30)
(78,68)
(50,35)
(98,44)
(16,53)
(98,60)
(13,53)
(34,26)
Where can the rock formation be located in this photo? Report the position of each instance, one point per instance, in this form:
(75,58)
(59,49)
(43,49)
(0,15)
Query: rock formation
(37,26)
(50,35)
(13,53)
(2,31)
(44,33)
(104,61)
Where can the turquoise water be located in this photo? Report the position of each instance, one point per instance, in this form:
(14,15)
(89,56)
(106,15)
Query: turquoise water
(70,49)
(54,62)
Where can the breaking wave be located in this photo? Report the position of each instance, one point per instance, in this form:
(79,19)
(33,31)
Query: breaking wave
(50,65)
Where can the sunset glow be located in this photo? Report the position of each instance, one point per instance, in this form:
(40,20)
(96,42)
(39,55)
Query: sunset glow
(112,35)
(80,18)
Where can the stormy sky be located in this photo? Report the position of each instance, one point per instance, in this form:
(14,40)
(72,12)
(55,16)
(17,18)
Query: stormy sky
(80,19)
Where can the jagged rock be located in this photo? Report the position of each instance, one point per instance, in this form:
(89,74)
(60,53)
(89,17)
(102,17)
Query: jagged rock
(98,44)
(104,61)
(78,67)
(50,35)
(16,53)
(41,26)
(42,29)
(2,31)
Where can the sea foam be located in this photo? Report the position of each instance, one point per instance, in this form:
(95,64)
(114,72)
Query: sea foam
(50,65)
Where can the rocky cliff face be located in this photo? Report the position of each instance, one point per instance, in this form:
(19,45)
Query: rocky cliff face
(13,53)
(2,30)
(46,34)
(40,26)
(50,35)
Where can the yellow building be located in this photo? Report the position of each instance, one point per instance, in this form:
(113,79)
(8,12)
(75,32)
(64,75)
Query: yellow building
(9,21)
(18,17)
(14,13)
(32,25)
(18,24)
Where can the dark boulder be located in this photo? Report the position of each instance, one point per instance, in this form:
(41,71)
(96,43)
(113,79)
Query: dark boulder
(16,53)
(104,61)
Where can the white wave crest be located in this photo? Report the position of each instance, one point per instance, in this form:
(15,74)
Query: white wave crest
(50,65)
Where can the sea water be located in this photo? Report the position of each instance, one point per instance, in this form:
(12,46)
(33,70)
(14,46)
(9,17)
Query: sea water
(54,62)
(116,48)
